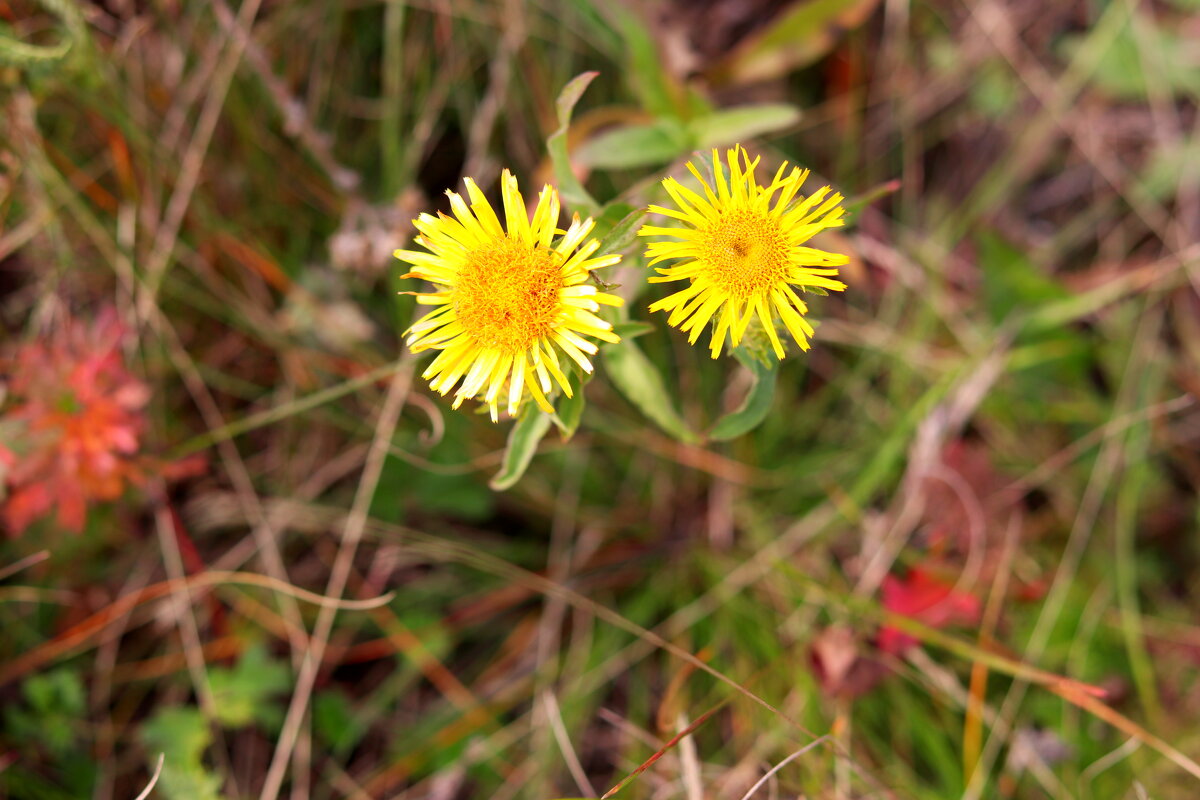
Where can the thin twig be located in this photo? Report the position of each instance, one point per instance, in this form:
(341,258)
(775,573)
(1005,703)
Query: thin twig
(193,161)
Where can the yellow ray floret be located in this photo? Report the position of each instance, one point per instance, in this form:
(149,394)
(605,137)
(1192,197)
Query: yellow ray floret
(743,251)
(509,298)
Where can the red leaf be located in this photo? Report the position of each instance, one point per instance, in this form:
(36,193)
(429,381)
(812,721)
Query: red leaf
(928,600)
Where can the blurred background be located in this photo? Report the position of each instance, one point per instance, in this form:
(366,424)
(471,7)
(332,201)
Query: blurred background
(958,558)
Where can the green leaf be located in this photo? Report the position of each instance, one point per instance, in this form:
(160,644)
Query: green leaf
(633,374)
(572,191)
(335,723)
(180,733)
(801,36)
(753,410)
(653,85)
(631,146)
(632,329)
(57,692)
(182,736)
(569,410)
(523,440)
(1011,282)
(857,203)
(243,694)
(622,222)
(55,703)
(739,124)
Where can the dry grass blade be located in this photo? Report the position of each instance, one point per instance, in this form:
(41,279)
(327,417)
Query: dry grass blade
(351,535)
(24,563)
(690,729)
(193,161)
(775,769)
(80,634)
(142,795)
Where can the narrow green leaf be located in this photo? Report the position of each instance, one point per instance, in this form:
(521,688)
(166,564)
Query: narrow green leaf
(633,374)
(632,329)
(739,124)
(631,146)
(181,735)
(624,231)
(1011,282)
(569,410)
(753,410)
(570,94)
(857,203)
(572,191)
(523,440)
(651,84)
(799,36)
(243,693)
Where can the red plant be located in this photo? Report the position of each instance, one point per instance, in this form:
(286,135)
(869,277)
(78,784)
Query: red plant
(75,421)
(928,600)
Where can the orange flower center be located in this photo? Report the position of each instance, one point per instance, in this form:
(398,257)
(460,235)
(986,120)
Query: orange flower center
(506,297)
(745,253)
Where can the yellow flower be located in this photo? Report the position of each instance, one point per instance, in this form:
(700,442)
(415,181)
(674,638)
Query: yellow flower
(507,300)
(743,253)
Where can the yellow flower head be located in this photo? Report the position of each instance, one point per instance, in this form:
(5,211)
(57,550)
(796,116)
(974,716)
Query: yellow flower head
(507,299)
(744,252)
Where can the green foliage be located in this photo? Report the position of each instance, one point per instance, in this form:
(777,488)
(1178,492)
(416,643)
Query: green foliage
(335,724)
(801,35)
(617,227)
(54,702)
(1012,285)
(1136,60)
(741,123)
(182,736)
(48,726)
(246,694)
(655,87)
(523,440)
(653,144)
(243,694)
(637,378)
(573,192)
(667,138)
(568,411)
(757,404)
